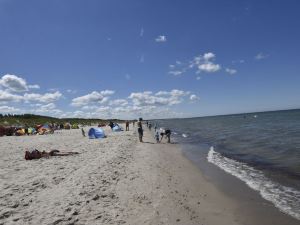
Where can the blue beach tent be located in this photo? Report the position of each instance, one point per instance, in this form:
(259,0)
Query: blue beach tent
(96,133)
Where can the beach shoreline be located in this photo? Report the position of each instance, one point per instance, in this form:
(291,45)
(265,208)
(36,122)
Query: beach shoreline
(115,180)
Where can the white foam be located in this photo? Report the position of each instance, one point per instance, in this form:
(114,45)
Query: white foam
(285,198)
(184,135)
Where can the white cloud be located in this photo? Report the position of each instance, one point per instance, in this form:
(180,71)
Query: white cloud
(201,63)
(176,72)
(198,78)
(207,64)
(161,38)
(87,107)
(260,56)
(8,109)
(161,98)
(103,109)
(45,98)
(92,98)
(34,86)
(142,32)
(209,56)
(119,102)
(194,98)
(48,108)
(71,91)
(231,71)
(238,61)
(209,67)
(16,84)
(5,96)
(107,92)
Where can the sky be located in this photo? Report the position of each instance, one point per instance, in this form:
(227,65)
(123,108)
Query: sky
(152,59)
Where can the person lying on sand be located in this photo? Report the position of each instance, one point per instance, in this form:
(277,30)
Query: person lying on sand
(36,154)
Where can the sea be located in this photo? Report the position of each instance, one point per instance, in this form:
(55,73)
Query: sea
(260,149)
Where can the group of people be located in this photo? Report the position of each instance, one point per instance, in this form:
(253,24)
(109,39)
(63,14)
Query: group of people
(159,134)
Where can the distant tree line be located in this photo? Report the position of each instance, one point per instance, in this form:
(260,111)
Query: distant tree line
(31,119)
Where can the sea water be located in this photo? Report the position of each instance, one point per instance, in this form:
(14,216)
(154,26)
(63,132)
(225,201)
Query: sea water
(260,149)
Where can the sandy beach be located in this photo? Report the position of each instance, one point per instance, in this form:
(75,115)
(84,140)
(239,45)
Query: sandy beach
(115,180)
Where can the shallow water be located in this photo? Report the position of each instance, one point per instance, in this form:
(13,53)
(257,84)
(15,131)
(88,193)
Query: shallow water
(261,149)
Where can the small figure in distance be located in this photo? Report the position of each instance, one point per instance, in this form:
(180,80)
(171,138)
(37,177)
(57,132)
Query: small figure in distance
(162,133)
(168,135)
(83,132)
(111,124)
(157,137)
(127,125)
(140,130)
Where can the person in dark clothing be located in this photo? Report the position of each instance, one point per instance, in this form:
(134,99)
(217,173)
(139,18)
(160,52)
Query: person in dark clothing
(83,132)
(168,135)
(26,130)
(140,130)
(111,124)
(127,125)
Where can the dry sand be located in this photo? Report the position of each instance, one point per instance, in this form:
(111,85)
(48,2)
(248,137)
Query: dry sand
(115,180)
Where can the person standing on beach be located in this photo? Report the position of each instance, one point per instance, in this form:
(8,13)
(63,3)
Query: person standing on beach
(26,130)
(162,133)
(83,132)
(140,130)
(127,125)
(168,135)
(157,137)
(111,124)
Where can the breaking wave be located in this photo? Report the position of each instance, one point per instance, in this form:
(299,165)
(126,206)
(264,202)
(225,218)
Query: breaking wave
(285,198)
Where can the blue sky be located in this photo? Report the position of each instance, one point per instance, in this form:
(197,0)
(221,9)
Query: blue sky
(156,59)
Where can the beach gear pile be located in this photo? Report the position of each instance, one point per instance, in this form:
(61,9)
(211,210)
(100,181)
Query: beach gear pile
(40,129)
(75,126)
(44,129)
